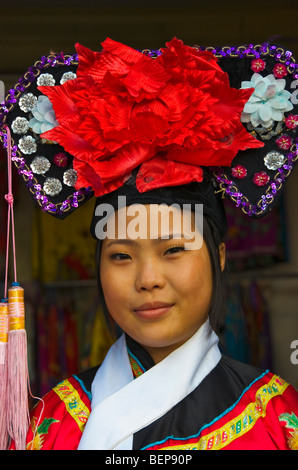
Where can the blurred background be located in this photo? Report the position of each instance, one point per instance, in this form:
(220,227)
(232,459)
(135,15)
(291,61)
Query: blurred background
(65,327)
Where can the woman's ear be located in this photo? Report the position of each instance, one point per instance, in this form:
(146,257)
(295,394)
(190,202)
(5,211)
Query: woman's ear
(222,255)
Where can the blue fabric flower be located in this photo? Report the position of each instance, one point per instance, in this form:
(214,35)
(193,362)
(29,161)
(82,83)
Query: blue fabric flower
(269,101)
(44,118)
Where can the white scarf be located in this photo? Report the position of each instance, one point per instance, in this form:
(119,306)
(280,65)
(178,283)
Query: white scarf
(122,405)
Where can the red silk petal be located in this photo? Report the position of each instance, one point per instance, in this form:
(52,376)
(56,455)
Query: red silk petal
(90,131)
(97,64)
(150,106)
(146,75)
(158,173)
(198,156)
(72,143)
(61,97)
(188,58)
(127,159)
(217,153)
(87,176)
(176,100)
(243,140)
(107,174)
(114,115)
(126,53)
(88,62)
(147,126)
(230,102)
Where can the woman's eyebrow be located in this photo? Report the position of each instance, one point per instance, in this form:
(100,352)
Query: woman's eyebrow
(170,236)
(129,241)
(120,241)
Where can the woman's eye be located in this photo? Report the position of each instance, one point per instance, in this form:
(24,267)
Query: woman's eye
(120,256)
(174,249)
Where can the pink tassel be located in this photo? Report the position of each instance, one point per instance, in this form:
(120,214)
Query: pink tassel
(18,377)
(16,401)
(16,405)
(4,437)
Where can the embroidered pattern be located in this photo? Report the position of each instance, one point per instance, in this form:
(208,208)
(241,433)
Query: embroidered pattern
(239,171)
(291,121)
(73,403)
(284,142)
(40,432)
(261,179)
(257,65)
(291,421)
(234,428)
(135,365)
(280,71)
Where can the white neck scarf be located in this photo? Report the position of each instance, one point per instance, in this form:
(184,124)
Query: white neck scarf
(122,405)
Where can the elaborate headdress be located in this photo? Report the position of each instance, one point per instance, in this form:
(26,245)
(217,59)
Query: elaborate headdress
(203,120)
(80,124)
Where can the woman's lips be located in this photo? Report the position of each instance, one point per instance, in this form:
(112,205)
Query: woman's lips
(152,310)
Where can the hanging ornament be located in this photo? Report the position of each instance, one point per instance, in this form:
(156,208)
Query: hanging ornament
(4,437)
(17,407)
(18,377)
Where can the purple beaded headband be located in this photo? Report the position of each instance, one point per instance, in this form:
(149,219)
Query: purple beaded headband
(253,182)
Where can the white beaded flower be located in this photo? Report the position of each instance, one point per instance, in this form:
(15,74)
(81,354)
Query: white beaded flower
(70,177)
(52,186)
(46,79)
(67,76)
(44,118)
(20,125)
(27,145)
(40,165)
(274,160)
(27,102)
(269,101)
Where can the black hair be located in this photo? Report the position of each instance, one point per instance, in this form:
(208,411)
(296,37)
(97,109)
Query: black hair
(106,313)
(213,239)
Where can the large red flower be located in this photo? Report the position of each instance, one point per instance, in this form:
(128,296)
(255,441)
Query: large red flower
(174,114)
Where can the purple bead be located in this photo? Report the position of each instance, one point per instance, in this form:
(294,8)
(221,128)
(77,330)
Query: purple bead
(27,173)
(50,207)
(64,205)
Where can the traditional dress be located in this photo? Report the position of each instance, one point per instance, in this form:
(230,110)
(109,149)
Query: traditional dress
(235,406)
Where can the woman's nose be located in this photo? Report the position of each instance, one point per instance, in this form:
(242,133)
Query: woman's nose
(149,276)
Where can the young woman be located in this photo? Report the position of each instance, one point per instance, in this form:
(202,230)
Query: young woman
(152,136)
(165,383)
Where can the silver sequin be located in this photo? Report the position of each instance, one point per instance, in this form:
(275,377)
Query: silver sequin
(20,125)
(27,145)
(70,177)
(27,102)
(67,76)
(274,160)
(52,186)
(40,165)
(46,79)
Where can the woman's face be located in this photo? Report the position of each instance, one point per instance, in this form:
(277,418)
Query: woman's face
(156,290)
